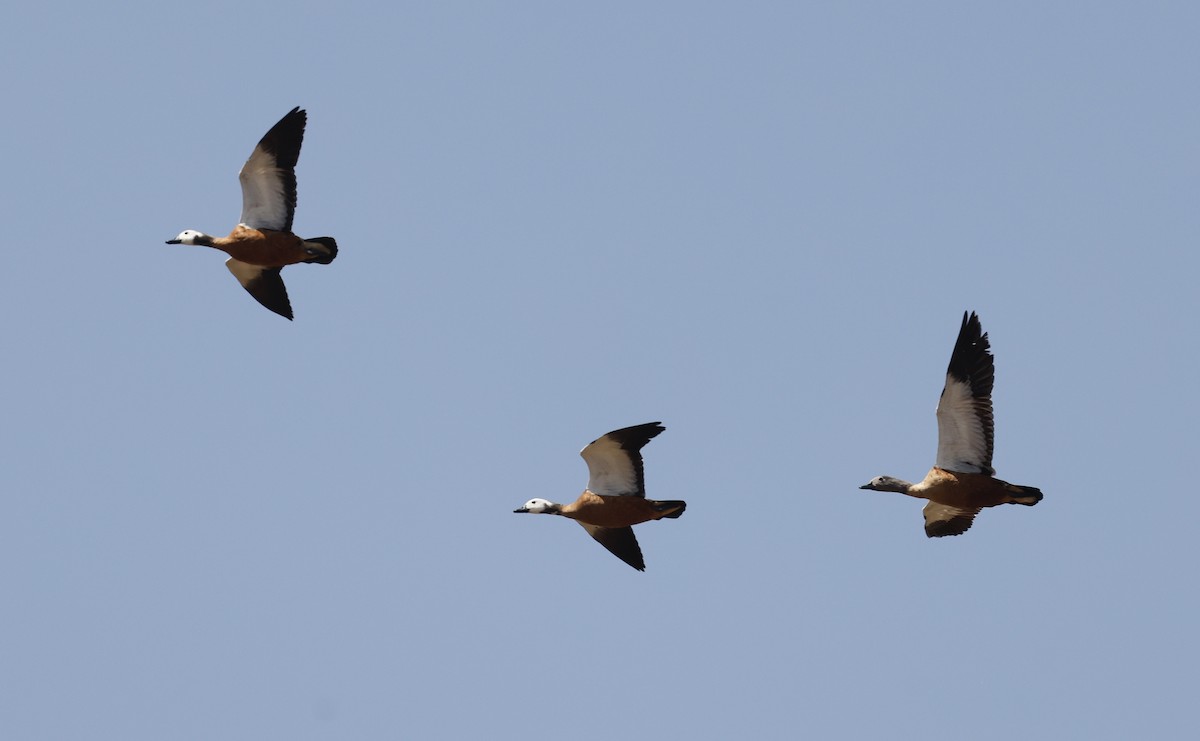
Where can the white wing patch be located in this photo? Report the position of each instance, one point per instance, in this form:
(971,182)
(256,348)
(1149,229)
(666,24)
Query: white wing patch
(264,199)
(962,442)
(611,470)
(244,271)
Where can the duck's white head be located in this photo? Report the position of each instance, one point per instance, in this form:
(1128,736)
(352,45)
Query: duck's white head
(191,236)
(539,507)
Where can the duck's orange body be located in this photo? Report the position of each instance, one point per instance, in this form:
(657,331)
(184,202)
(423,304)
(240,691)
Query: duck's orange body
(267,248)
(608,511)
(967,490)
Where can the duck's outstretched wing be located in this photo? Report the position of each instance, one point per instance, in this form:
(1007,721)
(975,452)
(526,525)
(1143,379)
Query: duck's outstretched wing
(615,461)
(942,520)
(264,284)
(964,413)
(269,177)
(620,541)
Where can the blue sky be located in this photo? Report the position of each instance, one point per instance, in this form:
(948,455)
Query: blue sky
(759,223)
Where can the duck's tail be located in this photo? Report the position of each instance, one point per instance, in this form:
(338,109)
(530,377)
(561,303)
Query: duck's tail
(670,509)
(322,249)
(1027,495)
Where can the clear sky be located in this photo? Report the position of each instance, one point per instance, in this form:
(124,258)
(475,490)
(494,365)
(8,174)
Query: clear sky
(757,222)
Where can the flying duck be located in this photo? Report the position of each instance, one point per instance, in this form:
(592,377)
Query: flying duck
(962,480)
(262,243)
(615,498)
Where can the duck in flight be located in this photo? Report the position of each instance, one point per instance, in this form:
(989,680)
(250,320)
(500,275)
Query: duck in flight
(962,480)
(262,243)
(615,498)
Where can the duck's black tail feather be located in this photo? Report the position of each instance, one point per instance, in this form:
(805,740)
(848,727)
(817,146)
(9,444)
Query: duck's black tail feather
(324,257)
(1027,495)
(670,508)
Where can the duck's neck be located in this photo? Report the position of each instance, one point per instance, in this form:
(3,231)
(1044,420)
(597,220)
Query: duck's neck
(899,486)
